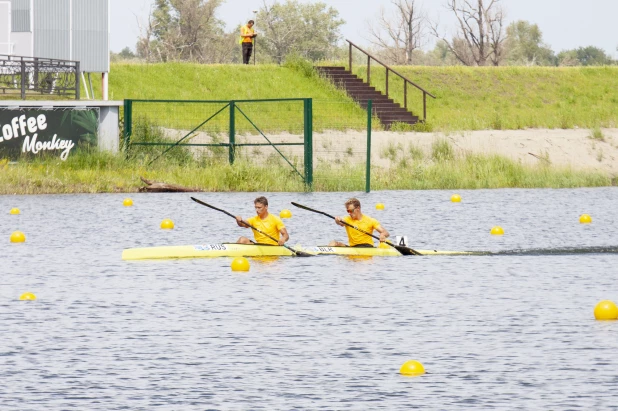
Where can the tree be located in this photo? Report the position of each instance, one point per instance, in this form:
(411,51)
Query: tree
(184,30)
(584,56)
(309,30)
(524,45)
(480,32)
(396,37)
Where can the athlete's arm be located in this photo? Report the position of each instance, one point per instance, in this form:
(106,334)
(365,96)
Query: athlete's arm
(284,236)
(383,233)
(240,222)
(338,221)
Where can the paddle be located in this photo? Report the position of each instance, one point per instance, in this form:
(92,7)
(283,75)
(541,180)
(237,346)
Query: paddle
(403,250)
(297,253)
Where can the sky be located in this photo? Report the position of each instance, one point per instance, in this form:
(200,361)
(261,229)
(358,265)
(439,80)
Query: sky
(566,24)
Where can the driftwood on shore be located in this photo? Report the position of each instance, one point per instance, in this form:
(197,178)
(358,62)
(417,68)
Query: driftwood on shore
(157,187)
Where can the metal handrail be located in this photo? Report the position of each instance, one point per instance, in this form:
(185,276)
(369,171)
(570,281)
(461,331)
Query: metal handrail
(405,80)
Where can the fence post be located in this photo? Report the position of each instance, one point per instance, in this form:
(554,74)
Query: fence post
(232,141)
(77,74)
(23,79)
(350,57)
(368,165)
(308,117)
(386,83)
(128,123)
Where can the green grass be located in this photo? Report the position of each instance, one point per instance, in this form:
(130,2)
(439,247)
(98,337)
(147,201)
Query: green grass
(475,98)
(92,172)
(468,98)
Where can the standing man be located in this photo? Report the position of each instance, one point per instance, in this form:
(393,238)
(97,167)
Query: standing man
(247,35)
(268,223)
(356,218)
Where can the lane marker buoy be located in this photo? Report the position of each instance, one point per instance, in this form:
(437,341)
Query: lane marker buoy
(412,368)
(240,264)
(606,310)
(497,230)
(18,237)
(167,224)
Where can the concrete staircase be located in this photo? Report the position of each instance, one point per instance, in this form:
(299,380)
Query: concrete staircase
(384,108)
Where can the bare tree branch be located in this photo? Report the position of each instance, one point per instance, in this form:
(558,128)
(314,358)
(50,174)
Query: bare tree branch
(399,35)
(480,32)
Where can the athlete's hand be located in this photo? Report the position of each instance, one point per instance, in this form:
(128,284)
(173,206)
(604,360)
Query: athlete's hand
(281,241)
(382,237)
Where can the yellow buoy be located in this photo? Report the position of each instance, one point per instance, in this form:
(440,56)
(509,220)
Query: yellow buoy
(14,211)
(285,213)
(240,264)
(167,224)
(127,202)
(606,310)
(585,219)
(456,198)
(27,296)
(18,237)
(379,206)
(497,230)
(412,367)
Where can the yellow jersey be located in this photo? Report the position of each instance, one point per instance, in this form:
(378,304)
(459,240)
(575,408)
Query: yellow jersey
(271,225)
(245,31)
(366,223)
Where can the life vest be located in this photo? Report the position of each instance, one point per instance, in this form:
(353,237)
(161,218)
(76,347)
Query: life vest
(244,31)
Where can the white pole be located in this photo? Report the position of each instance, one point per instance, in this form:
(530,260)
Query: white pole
(85,86)
(104,84)
(255,38)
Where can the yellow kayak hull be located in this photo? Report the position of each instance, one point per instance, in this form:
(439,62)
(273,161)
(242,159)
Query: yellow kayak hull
(261,250)
(376,251)
(205,251)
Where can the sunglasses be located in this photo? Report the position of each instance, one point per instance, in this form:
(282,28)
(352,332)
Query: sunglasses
(351,211)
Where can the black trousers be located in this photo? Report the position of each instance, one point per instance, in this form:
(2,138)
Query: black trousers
(247,49)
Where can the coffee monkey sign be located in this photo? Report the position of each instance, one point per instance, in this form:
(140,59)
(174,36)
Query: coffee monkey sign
(34,132)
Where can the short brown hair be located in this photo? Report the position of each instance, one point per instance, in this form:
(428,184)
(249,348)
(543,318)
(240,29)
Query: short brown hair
(251,21)
(353,201)
(262,200)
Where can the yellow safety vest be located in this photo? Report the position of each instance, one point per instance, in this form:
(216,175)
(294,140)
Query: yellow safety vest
(245,31)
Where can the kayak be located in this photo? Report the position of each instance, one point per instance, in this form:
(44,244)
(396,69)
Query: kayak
(383,251)
(261,250)
(205,250)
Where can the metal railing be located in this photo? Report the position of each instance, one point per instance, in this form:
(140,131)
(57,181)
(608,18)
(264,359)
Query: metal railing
(388,69)
(34,75)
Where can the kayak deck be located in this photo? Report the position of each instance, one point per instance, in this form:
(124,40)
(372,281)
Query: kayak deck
(262,250)
(205,251)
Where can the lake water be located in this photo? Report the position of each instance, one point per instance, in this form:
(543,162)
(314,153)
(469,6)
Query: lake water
(329,333)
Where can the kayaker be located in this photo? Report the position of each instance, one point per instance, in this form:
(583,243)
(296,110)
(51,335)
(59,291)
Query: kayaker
(356,218)
(268,223)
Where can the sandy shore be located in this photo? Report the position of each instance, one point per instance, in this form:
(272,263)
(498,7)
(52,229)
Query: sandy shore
(573,148)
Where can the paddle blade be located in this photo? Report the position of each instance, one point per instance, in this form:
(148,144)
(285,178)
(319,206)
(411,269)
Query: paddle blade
(304,254)
(406,250)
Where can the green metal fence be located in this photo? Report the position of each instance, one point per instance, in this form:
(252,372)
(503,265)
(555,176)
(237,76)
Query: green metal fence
(326,143)
(274,124)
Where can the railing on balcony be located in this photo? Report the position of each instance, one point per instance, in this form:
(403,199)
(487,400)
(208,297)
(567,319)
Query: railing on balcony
(388,69)
(33,75)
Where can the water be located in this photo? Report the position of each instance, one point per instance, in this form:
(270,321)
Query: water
(494,332)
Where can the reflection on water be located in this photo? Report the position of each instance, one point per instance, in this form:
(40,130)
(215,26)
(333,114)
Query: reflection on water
(506,331)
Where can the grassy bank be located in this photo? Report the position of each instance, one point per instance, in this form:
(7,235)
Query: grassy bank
(103,173)
(468,98)
(499,98)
